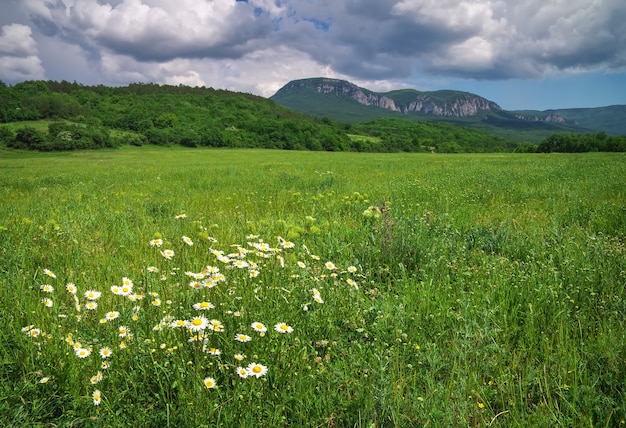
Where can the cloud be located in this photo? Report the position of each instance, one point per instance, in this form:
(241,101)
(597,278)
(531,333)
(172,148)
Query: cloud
(18,54)
(252,44)
(16,40)
(508,39)
(158,30)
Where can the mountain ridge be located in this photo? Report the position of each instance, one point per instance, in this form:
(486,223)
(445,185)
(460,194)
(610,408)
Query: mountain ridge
(344,101)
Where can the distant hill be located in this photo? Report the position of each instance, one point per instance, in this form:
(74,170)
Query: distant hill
(346,102)
(610,119)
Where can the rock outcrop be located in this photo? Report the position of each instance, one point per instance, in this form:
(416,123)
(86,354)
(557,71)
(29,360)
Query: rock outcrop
(438,103)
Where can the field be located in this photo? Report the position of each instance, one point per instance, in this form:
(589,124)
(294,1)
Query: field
(187,288)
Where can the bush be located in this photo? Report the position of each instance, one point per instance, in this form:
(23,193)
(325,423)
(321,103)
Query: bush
(28,138)
(6,135)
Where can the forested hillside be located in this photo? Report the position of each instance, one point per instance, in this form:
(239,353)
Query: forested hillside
(50,115)
(158,114)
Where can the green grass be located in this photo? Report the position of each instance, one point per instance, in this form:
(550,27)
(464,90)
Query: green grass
(488,291)
(39,125)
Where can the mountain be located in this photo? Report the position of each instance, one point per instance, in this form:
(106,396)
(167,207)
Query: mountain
(439,103)
(610,119)
(346,102)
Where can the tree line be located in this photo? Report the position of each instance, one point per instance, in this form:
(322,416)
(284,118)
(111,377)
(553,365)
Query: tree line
(89,117)
(578,143)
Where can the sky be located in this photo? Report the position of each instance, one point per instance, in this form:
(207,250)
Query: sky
(521,54)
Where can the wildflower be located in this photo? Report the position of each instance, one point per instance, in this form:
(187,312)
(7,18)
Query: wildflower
(288,244)
(243,338)
(46,288)
(91,306)
(122,331)
(318,298)
(156,242)
(153,269)
(259,327)
(71,288)
(92,294)
(351,269)
(281,327)
(197,285)
(196,338)
(82,352)
(198,324)
(97,378)
(243,373)
(187,240)
(213,351)
(178,323)
(203,306)
(48,302)
(44,379)
(255,369)
(240,357)
(209,382)
(168,254)
(97,397)
(33,332)
(330,266)
(241,264)
(105,365)
(216,326)
(352,283)
(156,302)
(301,265)
(105,352)
(212,269)
(223,259)
(110,316)
(372,212)
(49,273)
(181,216)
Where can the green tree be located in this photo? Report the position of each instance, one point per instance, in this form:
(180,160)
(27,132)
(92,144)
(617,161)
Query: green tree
(29,138)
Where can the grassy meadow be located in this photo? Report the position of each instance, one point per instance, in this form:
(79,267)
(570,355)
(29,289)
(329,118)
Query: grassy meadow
(173,287)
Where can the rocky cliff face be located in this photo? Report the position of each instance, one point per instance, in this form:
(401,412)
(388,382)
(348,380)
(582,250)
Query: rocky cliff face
(363,96)
(461,104)
(552,117)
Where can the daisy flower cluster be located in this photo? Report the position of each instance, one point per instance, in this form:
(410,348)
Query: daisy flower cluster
(208,312)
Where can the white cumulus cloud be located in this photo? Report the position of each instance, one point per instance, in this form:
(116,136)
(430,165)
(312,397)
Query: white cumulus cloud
(18,54)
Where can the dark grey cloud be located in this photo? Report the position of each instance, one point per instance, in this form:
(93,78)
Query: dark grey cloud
(484,39)
(268,42)
(157,30)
